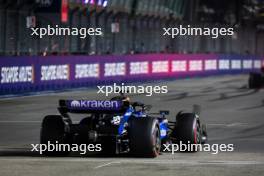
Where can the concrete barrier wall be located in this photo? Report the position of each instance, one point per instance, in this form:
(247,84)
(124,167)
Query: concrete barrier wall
(21,75)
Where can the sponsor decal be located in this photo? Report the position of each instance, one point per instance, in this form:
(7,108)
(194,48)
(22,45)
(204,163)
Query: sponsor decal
(257,64)
(93,105)
(139,68)
(224,64)
(116,120)
(247,64)
(55,72)
(236,64)
(179,66)
(31,74)
(75,103)
(163,132)
(87,71)
(210,65)
(160,66)
(17,74)
(196,65)
(115,69)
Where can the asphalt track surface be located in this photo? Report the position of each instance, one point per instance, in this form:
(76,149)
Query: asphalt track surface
(233,114)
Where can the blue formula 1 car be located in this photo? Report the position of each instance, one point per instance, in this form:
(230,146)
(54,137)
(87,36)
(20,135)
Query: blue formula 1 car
(120,126)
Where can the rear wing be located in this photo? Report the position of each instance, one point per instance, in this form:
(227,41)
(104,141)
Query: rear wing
(90,106)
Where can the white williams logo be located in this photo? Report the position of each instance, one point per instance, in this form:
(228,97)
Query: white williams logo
(116,120)
(75,103)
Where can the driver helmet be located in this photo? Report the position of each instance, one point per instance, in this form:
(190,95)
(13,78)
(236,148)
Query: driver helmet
(125,99)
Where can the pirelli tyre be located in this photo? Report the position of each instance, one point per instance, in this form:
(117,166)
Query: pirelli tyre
(144,137)
(254,81)
(54,131)
(188,131)
(85,125)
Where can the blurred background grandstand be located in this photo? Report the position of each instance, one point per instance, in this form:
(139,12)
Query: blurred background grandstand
(130,26)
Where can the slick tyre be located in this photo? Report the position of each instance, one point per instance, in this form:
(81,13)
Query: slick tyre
(144,137)
(254,81)
(53,132)
(187,130)
(109,147)
(85,125)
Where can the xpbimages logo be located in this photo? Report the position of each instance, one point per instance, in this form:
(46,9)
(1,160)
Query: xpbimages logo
(65,31)
(197,31)
(183,147)
(139,89)
(57,147)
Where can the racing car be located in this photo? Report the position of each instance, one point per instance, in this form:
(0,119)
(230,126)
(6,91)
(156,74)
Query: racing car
(121,126)
(256,80)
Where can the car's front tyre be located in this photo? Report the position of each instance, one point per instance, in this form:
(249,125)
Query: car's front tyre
(188,131)
(254,81)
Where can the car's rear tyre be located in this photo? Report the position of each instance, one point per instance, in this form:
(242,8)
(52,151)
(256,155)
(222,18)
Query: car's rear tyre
(53,131)
(144,137)
(255,81)
(188,131)
(85,125)
(109,147)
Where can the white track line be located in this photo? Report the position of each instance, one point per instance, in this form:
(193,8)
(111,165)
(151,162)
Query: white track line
(228,124)
(138,161)
(191,162)
(107,164)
